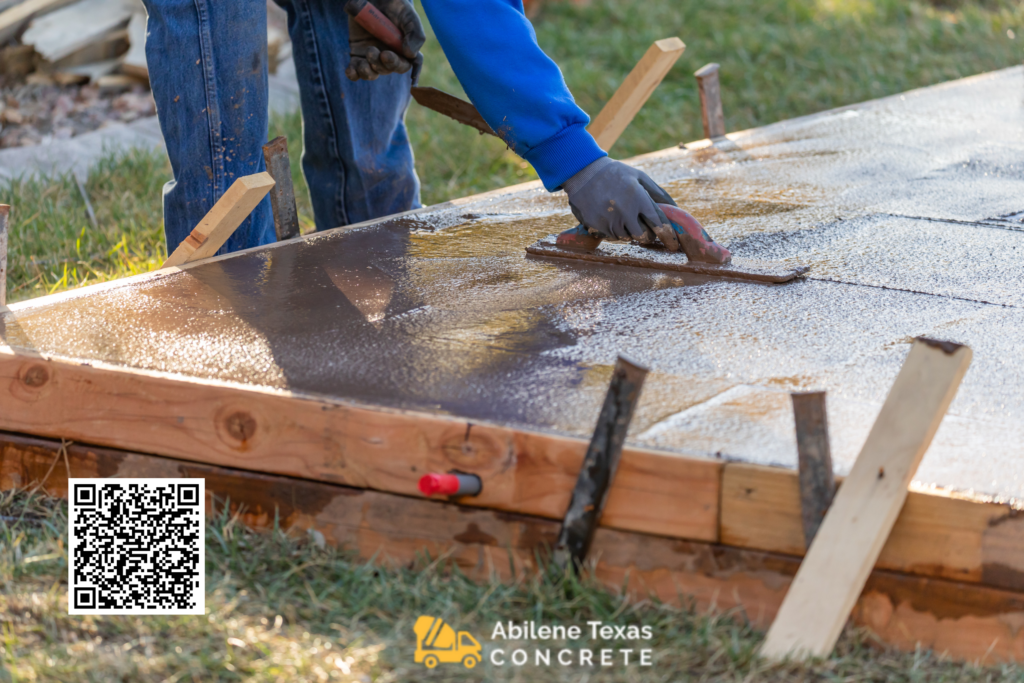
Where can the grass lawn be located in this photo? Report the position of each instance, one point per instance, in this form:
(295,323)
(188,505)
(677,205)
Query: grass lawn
(780,59)
(282,609)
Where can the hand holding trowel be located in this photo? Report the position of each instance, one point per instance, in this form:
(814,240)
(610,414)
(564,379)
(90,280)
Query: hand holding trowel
(645,214)
(633,225)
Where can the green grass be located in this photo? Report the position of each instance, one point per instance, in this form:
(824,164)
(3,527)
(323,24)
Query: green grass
(779,58)
(285,609)
(53,246)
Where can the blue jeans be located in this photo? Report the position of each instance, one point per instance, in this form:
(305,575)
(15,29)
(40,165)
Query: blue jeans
(208,70)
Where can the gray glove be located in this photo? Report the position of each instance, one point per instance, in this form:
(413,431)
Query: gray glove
(369,57)
(616,200)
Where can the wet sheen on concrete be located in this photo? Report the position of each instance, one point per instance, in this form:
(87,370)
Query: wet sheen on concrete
(907,209)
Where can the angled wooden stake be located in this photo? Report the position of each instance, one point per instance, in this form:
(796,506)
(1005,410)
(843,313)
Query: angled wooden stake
(5,212)
(817,481)
(608,125)
(710,101)
(222,220)
(847,545)
(599,465)
(282,197)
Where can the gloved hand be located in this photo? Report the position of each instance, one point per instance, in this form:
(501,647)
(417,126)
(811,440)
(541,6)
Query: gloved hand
(617,200)
(369,57)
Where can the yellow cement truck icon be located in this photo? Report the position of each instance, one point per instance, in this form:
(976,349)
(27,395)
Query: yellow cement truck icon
(437,642)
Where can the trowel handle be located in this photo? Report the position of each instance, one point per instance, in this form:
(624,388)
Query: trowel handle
(374,21)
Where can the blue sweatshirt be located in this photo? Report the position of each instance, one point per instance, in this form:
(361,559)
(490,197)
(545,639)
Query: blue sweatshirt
(518,90)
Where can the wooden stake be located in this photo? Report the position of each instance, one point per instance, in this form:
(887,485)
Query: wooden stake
(222,220)
(817,481)
(599,465)
(5,211)
(857,525)
(710,101)
(282,197)
(608,125)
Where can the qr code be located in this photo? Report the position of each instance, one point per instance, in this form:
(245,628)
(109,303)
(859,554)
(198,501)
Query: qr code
(136,546)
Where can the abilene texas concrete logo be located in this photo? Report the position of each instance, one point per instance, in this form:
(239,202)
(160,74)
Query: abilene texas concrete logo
(437,642)
(531,643)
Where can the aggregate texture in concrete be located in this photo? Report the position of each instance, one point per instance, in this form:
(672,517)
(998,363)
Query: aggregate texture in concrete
(908,210)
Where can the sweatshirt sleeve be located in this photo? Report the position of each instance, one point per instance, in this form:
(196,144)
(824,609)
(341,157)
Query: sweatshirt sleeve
(517,88)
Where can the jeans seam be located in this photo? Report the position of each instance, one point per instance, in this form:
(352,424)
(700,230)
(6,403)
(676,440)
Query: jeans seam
(212,106)
(316,72)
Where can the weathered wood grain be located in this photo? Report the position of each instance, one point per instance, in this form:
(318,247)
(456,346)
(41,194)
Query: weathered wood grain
(619,111)
(865,509)
(936,533)
(281,433)
(222,220)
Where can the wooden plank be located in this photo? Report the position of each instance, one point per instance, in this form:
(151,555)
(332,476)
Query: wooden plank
(12,20)
(134,62)
(960,620)
(936,534)
(276,432)
(58,34)
(608,125)
(119,82)
(710,101)
(222,220)
(857,525)
(108,47)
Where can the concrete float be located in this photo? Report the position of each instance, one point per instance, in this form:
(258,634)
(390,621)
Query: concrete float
(322,376)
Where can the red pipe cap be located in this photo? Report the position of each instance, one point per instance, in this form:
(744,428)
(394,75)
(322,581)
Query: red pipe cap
(442,484)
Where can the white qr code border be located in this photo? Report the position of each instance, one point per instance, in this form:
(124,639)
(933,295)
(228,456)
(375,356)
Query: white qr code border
(190,494)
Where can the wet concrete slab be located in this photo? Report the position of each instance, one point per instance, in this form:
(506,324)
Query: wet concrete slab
(906,210)
(979,263)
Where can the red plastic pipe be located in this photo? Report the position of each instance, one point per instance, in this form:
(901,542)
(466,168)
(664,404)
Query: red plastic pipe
(458,484)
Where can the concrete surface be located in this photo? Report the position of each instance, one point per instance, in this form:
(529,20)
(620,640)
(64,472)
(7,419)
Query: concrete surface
(907,209)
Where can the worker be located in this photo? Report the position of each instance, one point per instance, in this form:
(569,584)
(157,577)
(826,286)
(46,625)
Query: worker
(208,70)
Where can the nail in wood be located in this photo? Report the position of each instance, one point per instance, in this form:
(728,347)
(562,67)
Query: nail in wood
(817,482)
(599,464)
(282,195)
(710,101)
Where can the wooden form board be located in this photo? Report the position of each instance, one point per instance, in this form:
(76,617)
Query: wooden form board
(865,509)
(619,111)
(524,472)
(277,432)
(936,534)
(222,220)
(962,620)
